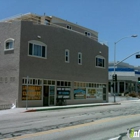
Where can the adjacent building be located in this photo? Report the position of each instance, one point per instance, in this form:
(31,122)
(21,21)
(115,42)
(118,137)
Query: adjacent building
(45,59)
(127,78)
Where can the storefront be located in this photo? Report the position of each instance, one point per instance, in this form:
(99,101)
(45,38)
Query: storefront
(50,92)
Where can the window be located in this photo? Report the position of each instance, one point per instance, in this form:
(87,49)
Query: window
(80,58)
(63,83)
(37,49)
(100,61)
(9,44)
(69,27)
(67,56)
(87,33)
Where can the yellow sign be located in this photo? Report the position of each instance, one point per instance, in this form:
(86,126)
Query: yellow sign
(34,92)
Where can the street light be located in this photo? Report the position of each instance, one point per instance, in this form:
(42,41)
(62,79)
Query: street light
(115,60)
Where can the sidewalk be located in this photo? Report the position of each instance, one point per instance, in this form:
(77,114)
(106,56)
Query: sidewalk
(119,100)
(34,109)
(111,102)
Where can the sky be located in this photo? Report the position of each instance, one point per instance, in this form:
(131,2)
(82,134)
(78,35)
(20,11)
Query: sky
(112,19)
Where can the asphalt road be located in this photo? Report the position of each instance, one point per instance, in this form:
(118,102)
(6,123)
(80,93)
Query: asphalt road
(105,129)
(92,123)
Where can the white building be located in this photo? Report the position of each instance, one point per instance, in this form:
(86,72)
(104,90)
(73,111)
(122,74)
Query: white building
(127,77)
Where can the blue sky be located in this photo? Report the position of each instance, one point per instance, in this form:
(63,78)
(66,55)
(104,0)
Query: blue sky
(112,19)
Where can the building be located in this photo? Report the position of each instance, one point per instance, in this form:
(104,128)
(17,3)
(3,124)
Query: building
(127,78)
(50,59)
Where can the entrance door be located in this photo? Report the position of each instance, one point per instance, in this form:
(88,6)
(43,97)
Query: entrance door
(51,95)
(46,96)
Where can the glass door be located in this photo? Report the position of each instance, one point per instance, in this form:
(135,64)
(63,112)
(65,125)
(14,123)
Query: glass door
(46,96)
(51,95)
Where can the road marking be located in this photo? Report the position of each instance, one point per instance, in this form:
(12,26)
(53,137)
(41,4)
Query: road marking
(71,127)
(115,138)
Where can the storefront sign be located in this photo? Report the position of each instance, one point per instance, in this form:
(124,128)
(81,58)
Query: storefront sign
(80,93)
(94,93)
(34,92)
(91,93)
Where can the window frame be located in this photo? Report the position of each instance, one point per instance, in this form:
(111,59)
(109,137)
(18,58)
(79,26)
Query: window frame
(8,41)
(80,58)
(100,57)
(67,56)
(38,43)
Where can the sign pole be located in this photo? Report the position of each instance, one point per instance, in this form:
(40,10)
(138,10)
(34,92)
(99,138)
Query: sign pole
(27,94)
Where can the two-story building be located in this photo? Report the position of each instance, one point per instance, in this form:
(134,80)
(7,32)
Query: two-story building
(45,58)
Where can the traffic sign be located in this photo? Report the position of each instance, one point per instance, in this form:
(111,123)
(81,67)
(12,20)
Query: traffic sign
(138,56)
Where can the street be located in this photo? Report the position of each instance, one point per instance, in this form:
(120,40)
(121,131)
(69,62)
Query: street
(93,123)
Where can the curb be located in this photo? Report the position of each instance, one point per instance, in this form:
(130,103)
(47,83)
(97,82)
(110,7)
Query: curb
(69,107)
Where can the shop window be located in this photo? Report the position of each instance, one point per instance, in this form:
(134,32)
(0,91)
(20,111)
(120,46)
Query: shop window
(80,84)
(53,82)
(58,83)
(67,56)
(33,81)
(63,93)
(80,93)
(39,82)
(66,83)
(98,85)
(49,82)
(83,84)
(9,44)
(45,81)
(90,85)
(37,49)
(36,81)
(100,61)
(69,84)
(62,83)
(34,92)
(30,81)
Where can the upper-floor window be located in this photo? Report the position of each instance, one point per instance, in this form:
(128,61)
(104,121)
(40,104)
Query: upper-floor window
(67,56)
(9,44)
(100,61)
(37,49)
(87,33)
(80,58)
(69,27)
